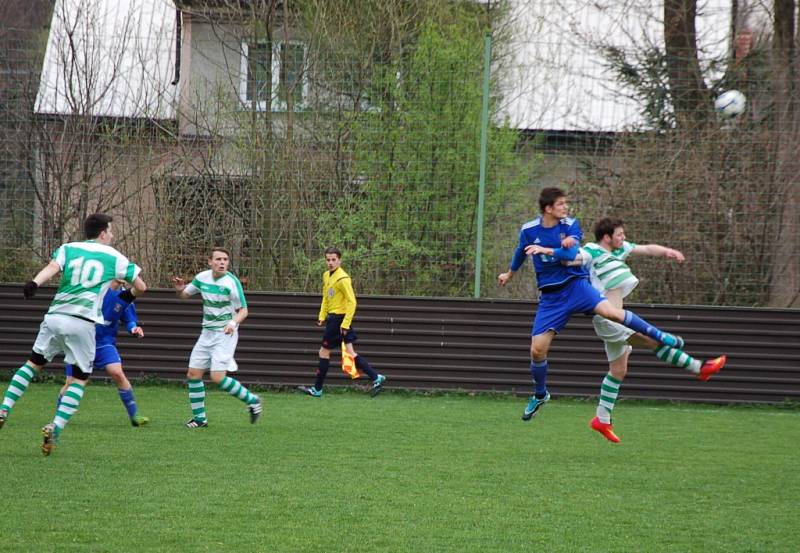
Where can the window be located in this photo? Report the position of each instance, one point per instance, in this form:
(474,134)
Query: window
(274,77)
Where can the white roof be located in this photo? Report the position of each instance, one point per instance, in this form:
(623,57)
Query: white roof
(557,80)
(111,58)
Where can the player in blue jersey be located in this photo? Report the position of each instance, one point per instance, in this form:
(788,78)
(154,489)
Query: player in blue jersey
(106,357)
(552,239)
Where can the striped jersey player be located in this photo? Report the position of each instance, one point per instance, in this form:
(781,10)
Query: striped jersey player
(224,309)
(610,275)
(87,269)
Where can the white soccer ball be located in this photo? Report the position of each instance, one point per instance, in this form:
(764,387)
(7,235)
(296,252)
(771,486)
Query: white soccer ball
(729,104)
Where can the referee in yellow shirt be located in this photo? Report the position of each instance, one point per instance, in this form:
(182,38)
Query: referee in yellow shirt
(336,313)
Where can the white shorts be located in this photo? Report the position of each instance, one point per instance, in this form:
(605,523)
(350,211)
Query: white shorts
(614,335)
(214,350)
(73,337)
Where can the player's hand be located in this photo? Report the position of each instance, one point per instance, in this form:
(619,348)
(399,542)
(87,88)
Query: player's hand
(230,328)
(178,283)
(676,255)
(29,289)
(503,278)
(137,331)
(343,331)
(568,242)
(535,249)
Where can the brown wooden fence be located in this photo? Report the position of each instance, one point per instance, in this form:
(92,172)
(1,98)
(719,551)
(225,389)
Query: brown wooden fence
(448,344)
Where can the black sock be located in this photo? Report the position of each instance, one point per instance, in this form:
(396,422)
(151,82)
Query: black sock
(322,371)
(363,366)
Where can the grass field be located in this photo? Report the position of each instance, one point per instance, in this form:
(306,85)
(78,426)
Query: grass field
(400,472)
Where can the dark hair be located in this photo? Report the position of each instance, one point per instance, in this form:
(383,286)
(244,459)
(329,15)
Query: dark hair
(335,251)
(606,225)
(219,249)
(549,196)
(96,223)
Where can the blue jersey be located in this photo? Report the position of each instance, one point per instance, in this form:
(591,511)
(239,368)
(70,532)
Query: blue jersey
(114,311)
(550,271)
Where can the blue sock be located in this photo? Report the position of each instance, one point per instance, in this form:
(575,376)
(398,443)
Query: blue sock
(539,374)
(635,322)
(363,366)
(128,401)
(58,401)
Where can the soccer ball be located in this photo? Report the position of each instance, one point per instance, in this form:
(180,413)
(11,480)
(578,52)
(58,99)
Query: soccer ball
(729,104)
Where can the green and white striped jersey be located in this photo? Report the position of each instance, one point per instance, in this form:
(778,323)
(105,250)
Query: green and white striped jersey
(608,269)
(87,269)
(222,297)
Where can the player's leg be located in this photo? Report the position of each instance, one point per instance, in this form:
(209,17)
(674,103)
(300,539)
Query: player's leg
(540,346)
(19,384)
(78,339)
(199,362)
(323,364)
(362,364)
(48,343)
(634,322)
(223,363)
(679,358)
(197,398)
(617,353)
(124,389)
(331,338)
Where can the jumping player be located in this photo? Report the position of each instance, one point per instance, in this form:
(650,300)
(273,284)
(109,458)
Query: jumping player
(611,275)
(106,357)
(69,326)
(336,312)
(552,239)
(224,309)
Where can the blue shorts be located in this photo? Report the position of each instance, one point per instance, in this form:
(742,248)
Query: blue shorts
(333,334)
(555,308)
(103,355)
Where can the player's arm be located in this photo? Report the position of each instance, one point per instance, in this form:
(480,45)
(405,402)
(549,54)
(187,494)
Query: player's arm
(562,254)
(323,307)
(574,235)
(239,303)
(346,287)
(516,261)
(181,288)
(237,319)
(656,250)
(48,271)
(131,323)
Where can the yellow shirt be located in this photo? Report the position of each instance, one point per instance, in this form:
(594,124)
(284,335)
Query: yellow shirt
(338,297)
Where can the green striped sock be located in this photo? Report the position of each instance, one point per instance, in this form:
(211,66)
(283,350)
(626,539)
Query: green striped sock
(609,391)
(197,399)
(235,388)
(678,358)
(19,383)
(68,406)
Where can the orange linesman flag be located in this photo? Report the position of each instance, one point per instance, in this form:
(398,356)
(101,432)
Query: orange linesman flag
(349,363)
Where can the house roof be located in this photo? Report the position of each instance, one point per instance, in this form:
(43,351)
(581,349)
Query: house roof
(110,58)
(116,58)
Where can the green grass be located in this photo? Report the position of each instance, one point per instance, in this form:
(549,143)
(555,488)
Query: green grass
(398,473)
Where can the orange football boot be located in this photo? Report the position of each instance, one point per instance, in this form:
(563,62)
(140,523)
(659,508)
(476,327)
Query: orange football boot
(711,367)
(605,428)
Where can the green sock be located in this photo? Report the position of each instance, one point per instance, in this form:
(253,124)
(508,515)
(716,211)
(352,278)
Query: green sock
(197,399)
(19,383)
(68,406)
(678,358)
(609,391)
(235,388)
